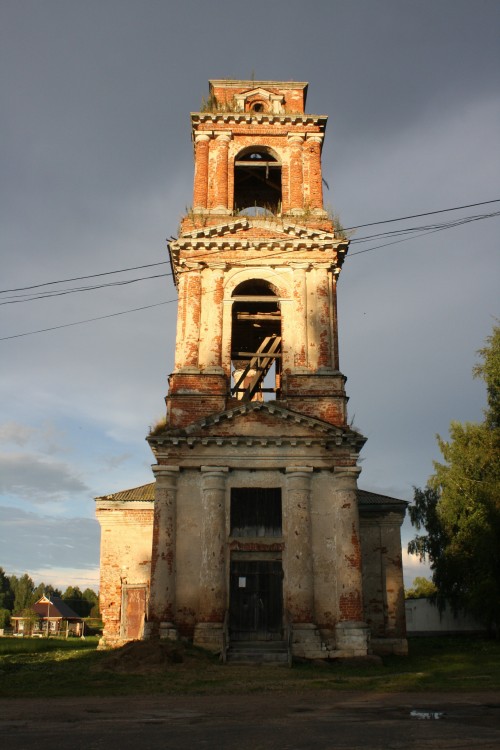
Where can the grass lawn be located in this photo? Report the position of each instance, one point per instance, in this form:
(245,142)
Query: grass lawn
(47,668)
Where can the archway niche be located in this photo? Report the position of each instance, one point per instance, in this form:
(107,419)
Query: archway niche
(257,180)
(256,341)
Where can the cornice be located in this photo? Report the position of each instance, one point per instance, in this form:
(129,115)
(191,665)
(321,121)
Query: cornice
(327,435)
(281,227)
(252,118)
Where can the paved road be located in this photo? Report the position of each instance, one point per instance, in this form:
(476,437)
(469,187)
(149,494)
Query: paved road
(319,720)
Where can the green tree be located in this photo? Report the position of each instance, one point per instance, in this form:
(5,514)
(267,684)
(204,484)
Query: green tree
(459,509)
(6,593)
(30,618)
(23,589)
(74,598)
(92,601)
(4,618)
(421,587)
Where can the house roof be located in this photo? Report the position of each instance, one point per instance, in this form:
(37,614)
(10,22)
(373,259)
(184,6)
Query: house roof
(54,607)
(374,501)
(144,492)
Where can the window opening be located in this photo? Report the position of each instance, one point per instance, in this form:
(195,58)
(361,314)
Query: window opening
(257,180)
(256,512)
(256,341)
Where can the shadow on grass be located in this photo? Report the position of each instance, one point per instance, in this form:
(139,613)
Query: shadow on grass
(33,668)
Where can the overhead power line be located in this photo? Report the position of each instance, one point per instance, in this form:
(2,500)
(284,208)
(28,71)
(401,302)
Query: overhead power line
(82,278)
(88,320)
(164,262)
(415,232)
(419,216)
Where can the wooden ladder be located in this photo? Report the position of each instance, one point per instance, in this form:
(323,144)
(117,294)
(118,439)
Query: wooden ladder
(261,361)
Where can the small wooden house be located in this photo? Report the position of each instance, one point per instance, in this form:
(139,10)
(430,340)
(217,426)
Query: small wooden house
(50,616)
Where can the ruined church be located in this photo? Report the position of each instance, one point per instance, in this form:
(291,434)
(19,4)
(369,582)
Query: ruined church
(254,530)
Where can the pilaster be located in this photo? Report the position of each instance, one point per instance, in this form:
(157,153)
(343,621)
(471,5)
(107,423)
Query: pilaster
(296,177)
(212,293)
(221,172)
(312,147)
(200,191)
(162,602)
(297,562)
(212,591)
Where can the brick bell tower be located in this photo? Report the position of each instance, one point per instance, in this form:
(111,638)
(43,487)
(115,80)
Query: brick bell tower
(256,522)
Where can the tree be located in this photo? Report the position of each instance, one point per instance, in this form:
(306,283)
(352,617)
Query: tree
(30,618)
(422,587)
(92,601)
(460,507)
(74,598)
(23,589)
(4,618)
(6,593)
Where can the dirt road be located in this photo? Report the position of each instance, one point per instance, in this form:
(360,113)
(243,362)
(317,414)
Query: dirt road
(273,721)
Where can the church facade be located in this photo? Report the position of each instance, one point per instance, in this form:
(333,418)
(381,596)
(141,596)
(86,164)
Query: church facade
(254,528)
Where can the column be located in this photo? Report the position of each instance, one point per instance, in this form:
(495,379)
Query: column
(188,318)
(213,593)
(390,532)
(351,633)
(200,191)
(334,321)
(300,314)
(313,148)
(295,176)
(162,601)
(297,562)
(323,301)
(222,171)
(212,295)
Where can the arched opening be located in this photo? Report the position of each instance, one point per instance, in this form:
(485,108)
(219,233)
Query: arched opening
(257,180)
(256,341)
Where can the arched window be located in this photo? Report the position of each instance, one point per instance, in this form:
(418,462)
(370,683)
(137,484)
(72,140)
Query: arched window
(257,180)
(256,341)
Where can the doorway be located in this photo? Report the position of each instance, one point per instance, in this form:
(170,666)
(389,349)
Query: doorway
(133,612)
(256,600)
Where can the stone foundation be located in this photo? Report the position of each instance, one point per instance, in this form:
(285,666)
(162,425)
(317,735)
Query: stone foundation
(351,639)
(208,635)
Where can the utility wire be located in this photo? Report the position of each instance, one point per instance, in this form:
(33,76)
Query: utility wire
(416,231)
(150,265)
(81,278)
(89,320)
(429,229)
(428,213)
(60,293)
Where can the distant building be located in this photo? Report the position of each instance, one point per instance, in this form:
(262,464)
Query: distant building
(255,529)
(49,614)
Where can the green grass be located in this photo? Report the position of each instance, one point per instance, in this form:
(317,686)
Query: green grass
(49,668)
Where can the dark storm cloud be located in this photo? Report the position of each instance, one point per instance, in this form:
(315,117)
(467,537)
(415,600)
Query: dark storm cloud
(31,541)
(96,164)
(34,478)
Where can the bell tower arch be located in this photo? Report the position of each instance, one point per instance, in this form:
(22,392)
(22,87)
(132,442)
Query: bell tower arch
(257,209)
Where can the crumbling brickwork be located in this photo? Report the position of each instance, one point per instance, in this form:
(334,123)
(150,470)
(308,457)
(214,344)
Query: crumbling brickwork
(256,403)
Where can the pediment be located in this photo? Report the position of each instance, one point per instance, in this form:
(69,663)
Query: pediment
(255,227)
(264,93)
(263,422)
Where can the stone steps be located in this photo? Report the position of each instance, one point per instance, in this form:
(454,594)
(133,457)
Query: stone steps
(257,652)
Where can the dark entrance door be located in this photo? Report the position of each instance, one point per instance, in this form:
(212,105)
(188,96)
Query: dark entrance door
(256,603)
